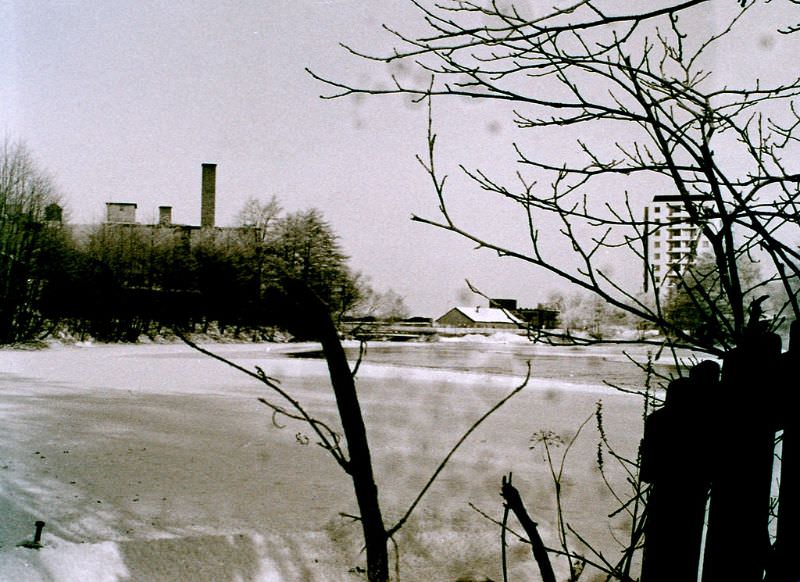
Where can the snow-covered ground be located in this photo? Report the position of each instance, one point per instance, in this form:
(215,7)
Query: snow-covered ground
(153,462)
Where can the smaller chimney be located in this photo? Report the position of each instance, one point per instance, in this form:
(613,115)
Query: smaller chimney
(208,195)
(164,215)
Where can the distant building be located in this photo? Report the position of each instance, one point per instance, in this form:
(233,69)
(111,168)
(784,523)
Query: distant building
(673,242)
(125,212)
(508,304)
(540,317)
(480,318)
(165,215)
(121,212)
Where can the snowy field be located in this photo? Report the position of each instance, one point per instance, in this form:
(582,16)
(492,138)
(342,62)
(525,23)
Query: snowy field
(153,462)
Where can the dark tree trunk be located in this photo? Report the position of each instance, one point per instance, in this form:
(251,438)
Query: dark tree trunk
(360,463)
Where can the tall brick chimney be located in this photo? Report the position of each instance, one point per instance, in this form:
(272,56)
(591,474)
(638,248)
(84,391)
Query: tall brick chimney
(208,196)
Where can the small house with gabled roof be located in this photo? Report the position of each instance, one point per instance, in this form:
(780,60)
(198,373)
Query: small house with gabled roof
(480,317)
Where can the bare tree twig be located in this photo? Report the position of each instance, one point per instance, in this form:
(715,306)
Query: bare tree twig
(329,439)
(392,530)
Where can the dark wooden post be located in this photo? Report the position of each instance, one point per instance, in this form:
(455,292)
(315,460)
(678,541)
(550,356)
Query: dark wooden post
(674,461)
(514,503)
(786,566)
(36,543)
(737,544)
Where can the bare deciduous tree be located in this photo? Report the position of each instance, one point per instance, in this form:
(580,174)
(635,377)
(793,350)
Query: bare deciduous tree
(636,94)
(26,193)
(632,94)
(260,215)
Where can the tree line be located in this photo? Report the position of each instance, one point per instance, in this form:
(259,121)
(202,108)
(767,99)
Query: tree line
(116,282)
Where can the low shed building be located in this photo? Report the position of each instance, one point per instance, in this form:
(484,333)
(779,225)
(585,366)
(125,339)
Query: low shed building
(479,317)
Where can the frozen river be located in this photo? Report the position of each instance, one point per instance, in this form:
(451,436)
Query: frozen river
(154,462)
(571,365)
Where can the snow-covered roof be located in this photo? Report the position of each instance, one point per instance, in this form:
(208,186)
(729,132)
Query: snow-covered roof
(488,315)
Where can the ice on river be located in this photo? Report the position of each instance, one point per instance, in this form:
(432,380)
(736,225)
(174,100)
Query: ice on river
(154,462)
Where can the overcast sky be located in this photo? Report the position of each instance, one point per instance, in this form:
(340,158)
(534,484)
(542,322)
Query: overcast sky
(123,101)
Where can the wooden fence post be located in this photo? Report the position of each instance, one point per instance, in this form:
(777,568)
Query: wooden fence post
(786,565)
(674,460)
(737,544)
(722,436)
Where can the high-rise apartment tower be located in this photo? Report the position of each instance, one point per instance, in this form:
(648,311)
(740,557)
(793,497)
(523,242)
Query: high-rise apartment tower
(673,242)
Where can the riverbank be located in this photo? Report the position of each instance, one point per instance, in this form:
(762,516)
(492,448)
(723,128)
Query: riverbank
(154,462)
